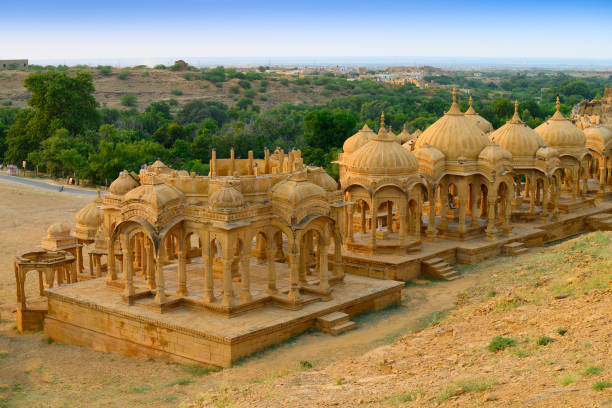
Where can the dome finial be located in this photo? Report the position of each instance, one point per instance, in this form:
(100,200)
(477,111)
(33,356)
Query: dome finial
(516,106)
(382,119)
(558,104)
(470,100)
(454,96)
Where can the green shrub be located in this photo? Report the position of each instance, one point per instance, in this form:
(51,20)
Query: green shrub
(176,92)
(499,343)
(234,90)
(123,75)
(199,371)
(205,86)
(491,293)
(567,379)
(561,331)
(545,340)
(7,102)
(305,364)
(600,385)
(244,84)
(159,66)
(172,102)
(339,381)
(263,97)
(593,370)
(105,69)
(145,74)
(284,81)
(250,93)
(188,76)
(128,100)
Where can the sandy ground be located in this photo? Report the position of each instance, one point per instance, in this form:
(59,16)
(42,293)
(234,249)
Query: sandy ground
(34,373)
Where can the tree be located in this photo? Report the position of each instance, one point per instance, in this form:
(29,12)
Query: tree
(128,100)
(198,110)
(63,101)
(62,153)
(325,128)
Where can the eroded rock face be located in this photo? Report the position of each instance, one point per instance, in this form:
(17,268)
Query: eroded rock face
(594,112)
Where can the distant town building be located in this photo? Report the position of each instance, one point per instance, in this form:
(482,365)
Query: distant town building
(13,64)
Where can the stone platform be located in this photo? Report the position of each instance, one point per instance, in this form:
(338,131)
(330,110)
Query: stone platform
(92,314)
(411,265)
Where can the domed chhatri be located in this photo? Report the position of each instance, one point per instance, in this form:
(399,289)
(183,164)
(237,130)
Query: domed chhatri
(358,139)
(482,123)
(226,198)
(404,136)
(88,220)
(531,161)
(122,184)
(382,155)
(518,138)
(58,230)
(560,132)
(454,135)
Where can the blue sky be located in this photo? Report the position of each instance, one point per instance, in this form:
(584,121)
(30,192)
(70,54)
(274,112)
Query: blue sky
(53,29)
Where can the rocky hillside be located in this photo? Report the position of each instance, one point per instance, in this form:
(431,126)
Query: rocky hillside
(534,332)
(152,85)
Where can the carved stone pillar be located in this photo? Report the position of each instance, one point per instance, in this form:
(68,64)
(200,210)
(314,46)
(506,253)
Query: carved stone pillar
(160,296)
(491,230)
(294,291)
(207,259)
(111,273)
(128,279)
(228,289)
(245,279)
(271,272)
(323,267)
(431,222)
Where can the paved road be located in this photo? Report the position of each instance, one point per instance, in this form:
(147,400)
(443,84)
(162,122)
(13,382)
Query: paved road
(46,186)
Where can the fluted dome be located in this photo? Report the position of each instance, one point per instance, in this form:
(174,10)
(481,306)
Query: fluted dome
(482,123)
(296,190)
(225,198)
(358,139)
(518,138)
(547,153)
(454,135)
(59,230)
(494,153)
(404,135)
(598,137)
(122,184)
(155,193)
(382,155)
(320,177)
(88,220)
(559,131)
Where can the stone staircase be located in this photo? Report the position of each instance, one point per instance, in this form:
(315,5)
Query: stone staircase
(439,268)
(514,248)
(602,222)
(335,323)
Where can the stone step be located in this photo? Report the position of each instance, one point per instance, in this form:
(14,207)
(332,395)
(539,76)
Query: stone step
(343,327)
(514,248)
(439,268)
(330,320)
(433,261)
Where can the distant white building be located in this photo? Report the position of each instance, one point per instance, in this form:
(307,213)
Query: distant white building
(13,64)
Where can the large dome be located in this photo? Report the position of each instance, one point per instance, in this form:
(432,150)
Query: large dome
(382,155)
(225,198)
(518,138)
(88,220)
(559,131)
(598,137)
(358,139)
(296,190)
(482,123)
(155,193)
(122,184)
(454,135)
